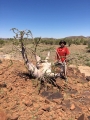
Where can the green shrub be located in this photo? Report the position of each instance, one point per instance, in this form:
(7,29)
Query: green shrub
(85,42)
(77,42)
(16,42)
(88,43)
(88,64)
(2,42)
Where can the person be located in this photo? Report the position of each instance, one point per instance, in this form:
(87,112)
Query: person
(61,58)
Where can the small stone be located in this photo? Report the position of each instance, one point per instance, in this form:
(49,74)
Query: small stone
(83,75)
(58,101)
(88,78)
(1,96)
(28,103)
(2,85)
(89,83)
(40,112)
(89,108)
(46,108)
(72,107)
(76,117)
(79,85)
(9,89)
(14,117)
(85,85)
(41,99)
(64,108)
(56,107)
(72,95)
(47,101)
(59,113)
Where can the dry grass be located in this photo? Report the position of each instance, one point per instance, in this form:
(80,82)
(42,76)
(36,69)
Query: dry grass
(78,53)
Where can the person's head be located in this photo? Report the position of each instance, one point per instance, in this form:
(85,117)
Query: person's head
(62,43)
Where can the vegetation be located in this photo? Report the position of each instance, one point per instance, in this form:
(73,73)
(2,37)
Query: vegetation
(49,44)
(51,41)
(2,43)
(89,43)
(88,63)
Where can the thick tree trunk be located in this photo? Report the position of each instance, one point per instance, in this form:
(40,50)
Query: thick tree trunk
(43,68)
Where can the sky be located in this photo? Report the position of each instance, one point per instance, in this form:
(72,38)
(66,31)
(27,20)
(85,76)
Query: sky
(45,18)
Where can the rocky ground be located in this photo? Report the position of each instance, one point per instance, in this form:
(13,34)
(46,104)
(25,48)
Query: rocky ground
(19,98)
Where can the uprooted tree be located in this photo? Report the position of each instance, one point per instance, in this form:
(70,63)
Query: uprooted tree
(42,69)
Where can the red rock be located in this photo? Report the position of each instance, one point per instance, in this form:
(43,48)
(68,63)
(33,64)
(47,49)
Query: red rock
(85,85)
(14,117)
(40,112)
(82,117)
(58,101)
(56,107)
(64,108)
(2,85)
(83,75)
(47,101)
(72,107)
(89,83)
(41,99)
(89,108)
(2,115)
(88,78)
(28,103)
(46,108)
(72,95)
(9,88)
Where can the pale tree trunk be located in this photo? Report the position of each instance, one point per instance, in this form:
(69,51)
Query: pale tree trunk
(43,68)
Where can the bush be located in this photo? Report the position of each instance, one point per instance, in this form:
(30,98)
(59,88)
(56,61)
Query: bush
(88,63)
(48,41)
(16,42)
(88,43)
(77,42)
(68,41)
(1,43)
(85,42)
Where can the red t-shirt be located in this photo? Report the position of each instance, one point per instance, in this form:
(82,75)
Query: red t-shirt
(62,53)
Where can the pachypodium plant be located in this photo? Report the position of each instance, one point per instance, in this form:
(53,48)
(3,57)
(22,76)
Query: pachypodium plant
(42,69)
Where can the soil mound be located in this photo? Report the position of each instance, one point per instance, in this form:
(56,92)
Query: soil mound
(20,100)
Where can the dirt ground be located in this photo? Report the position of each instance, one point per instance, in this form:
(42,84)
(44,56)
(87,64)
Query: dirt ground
(20,98)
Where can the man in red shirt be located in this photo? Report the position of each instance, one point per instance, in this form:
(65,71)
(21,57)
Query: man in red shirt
(61,54)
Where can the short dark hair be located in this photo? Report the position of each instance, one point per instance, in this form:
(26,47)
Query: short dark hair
(62,41)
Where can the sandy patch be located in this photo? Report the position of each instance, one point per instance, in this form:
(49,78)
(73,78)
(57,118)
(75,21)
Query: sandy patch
(84,69)
(73,66)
